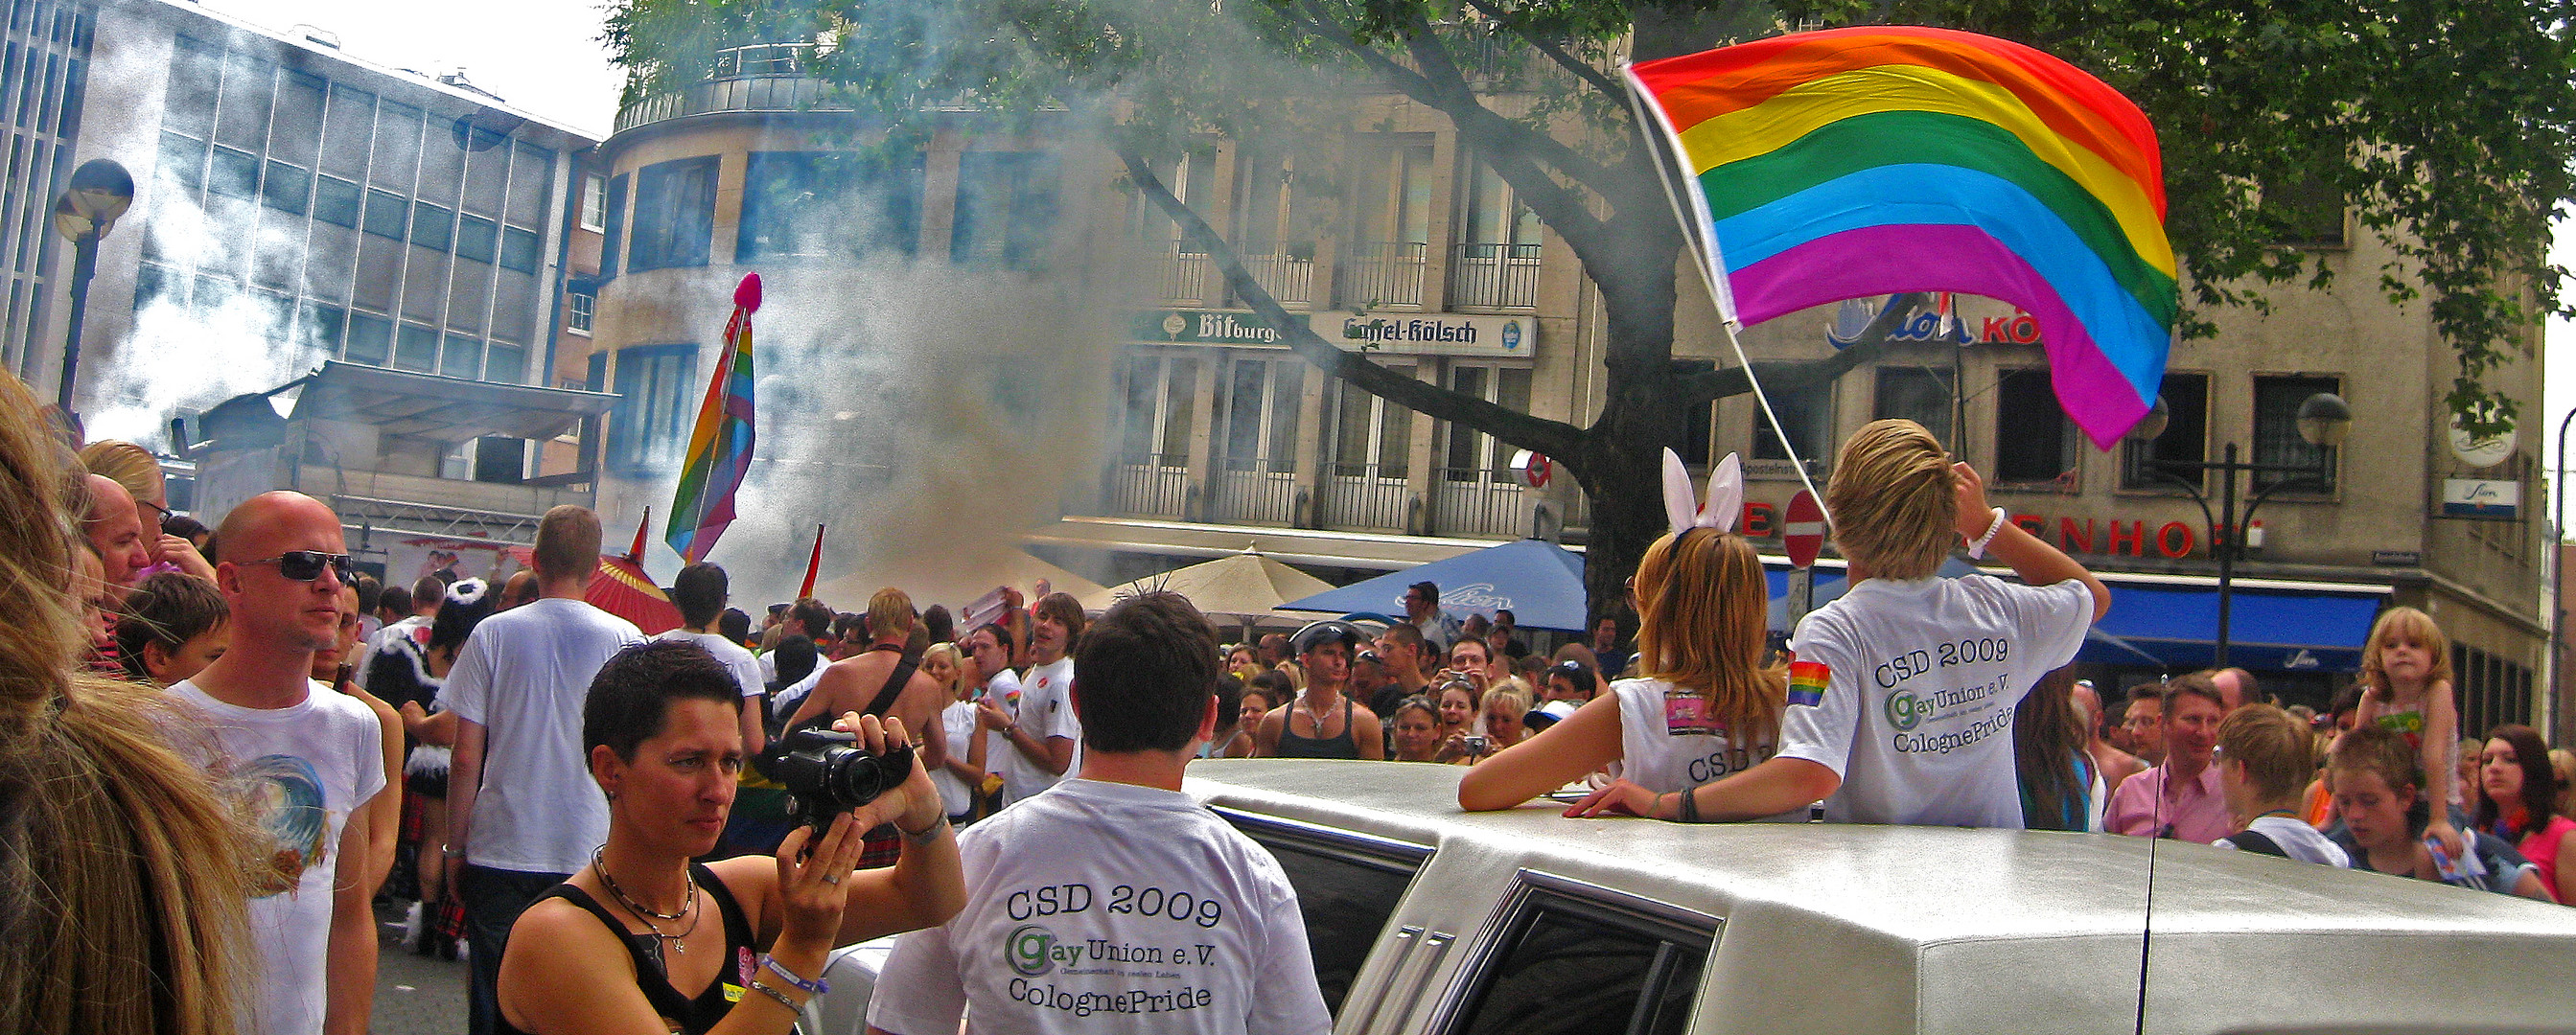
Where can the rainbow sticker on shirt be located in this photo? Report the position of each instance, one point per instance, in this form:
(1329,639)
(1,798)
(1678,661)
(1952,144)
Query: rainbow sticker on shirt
(1807,681)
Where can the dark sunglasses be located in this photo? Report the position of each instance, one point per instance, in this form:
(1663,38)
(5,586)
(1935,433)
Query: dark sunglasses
(307,565)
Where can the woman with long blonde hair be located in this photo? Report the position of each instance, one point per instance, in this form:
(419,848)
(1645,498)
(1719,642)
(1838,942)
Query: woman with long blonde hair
(1703,707)
(124,876)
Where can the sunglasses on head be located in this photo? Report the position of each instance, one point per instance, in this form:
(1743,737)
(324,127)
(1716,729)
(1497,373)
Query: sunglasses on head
(307,565)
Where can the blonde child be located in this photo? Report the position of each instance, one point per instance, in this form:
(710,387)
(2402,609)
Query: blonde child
(2406,689)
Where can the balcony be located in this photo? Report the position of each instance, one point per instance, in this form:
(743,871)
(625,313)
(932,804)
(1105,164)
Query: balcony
(1365,496)
(1256,497)
(1155,486)
(1383,273)
(765,78)
(1479,502)
(1191,280)
(1493,276)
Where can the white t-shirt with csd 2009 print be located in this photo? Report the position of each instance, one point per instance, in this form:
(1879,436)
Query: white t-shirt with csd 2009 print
(1109,908)
(1652,757)
(305,769)
(1916,707)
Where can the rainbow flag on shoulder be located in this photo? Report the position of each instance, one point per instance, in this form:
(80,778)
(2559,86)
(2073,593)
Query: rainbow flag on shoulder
(720,444)
(1824,166)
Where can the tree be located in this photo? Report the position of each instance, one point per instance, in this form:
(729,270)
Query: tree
(1528,87)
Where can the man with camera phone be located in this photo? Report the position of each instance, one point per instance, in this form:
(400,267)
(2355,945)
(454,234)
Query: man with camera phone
(1112,902)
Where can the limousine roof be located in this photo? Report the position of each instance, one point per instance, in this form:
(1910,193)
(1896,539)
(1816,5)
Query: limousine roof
(1828,927)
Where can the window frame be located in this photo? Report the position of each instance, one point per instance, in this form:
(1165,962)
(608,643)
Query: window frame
(594,202)
(2070,455)
(1383,854)
(2255,436)
(657,187)
(626,452)
(1534,892)
(2136,456)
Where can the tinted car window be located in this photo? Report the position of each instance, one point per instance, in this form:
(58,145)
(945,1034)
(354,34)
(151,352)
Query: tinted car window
(1347,888)
(1568,967)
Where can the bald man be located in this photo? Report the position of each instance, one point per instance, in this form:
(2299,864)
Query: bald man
(115,532)
(2113,764)
(315,758)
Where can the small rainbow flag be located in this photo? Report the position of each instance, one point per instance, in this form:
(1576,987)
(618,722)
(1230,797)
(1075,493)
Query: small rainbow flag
(1807,680)
(720,445)
(1864,161)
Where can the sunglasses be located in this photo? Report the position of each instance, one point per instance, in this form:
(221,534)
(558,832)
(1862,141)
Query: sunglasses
(308,565)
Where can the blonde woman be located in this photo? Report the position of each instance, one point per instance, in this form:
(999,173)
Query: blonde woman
(962,773)
(139,472)
(108,816)
(1705,707)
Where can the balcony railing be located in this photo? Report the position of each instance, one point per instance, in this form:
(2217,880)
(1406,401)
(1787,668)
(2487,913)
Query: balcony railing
(1493,276)
(1155,485)
(1363,496)
(1190,280)
(1476,501)
(1383,273)
(1288,277)
(753,92)
(1257,497)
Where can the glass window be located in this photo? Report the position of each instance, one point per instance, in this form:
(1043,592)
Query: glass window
(1699,432)
(397,150)
(1567,966)
(616,225)
(415,348)
(1261,414)
(183,160)
(286,187)
(462,357)
(1370,435)
(371,339)
(1918,394)
(507,364)
(1345,891)
(156,283)
(2276,433)
(324,328)
(234,173)
(335,201)
(1807,414)
(476,237)
(647,431)
(2034,441)
(385,214)
(519,249)
(675,209)
(2184,444)
(578,308)
(242,118)
(299,108)
(594,202)
(1005,208)
(828,204)
(195,64)
(432,227)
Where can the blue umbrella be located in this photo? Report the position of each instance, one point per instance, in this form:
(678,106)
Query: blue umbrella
(1539,581)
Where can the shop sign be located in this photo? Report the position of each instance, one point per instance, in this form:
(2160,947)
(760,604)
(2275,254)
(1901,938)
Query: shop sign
(2396,558)
(1445,334)
(2481,498)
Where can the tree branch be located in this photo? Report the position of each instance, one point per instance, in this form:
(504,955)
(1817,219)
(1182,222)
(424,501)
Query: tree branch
(1553,438)
(1555,53)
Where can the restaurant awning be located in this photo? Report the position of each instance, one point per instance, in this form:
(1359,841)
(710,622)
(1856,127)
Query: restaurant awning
(441,409)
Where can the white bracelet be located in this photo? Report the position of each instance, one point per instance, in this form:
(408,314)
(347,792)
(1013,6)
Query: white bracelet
(1977,550)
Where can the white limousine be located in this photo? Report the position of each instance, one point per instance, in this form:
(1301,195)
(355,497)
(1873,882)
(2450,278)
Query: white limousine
(1426,919)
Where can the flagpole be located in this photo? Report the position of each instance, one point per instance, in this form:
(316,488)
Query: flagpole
(813,565)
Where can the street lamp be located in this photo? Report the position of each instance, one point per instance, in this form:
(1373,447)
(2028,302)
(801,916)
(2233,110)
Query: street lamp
(2324,419)
(100,191)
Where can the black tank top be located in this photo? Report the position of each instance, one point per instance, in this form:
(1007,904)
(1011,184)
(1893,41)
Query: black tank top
(1339,746)
(689,1016)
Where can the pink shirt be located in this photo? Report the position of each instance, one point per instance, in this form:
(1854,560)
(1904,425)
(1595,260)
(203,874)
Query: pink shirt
(2541,847)
(2195,811)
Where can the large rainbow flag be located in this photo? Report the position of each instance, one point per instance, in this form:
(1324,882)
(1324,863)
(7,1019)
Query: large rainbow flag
(720,445)
(1864,161)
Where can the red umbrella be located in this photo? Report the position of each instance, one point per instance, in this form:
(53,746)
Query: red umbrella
(624,590)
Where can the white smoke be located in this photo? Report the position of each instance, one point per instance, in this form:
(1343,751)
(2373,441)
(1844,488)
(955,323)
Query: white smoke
(194,355)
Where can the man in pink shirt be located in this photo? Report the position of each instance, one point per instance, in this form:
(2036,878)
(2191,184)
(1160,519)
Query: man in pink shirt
(2179,798)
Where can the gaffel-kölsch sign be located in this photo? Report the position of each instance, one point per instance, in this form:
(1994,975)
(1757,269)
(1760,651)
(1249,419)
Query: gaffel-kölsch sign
(1405,333)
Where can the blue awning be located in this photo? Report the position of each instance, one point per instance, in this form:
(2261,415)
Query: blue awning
(1541,582)
(2273,630)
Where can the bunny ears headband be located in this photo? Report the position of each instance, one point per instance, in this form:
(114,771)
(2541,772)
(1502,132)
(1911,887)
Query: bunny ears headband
(1725,495)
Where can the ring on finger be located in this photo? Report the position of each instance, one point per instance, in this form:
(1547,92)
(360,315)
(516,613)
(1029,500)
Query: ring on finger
(833,879)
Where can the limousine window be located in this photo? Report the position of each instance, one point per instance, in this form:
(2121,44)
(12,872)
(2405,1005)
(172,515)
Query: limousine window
(1347,887)
(1567,966)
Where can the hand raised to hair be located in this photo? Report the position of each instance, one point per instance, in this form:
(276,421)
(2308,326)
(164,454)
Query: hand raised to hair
(1975,514)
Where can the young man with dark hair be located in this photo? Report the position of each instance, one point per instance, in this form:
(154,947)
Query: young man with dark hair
(522,811)
(1182,923)
(699,591)
(408,634)
(1402,650)
(1421,603)
(2181,796)
(1042,733)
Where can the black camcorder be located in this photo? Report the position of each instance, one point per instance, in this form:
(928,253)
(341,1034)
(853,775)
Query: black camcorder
(827,773)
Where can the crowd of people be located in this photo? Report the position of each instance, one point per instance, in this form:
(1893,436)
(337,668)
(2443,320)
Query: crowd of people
(221,749)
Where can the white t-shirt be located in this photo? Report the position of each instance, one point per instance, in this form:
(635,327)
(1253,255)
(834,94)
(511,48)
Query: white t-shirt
(523,675)
(305,769)
(792,696)
(1919,681)
(1653,758)
(958,722)
(1107,907)
(746,668)
(1045,710)
(2297,839)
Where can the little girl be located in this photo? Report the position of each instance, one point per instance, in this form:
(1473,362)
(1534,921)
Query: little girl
(2406,689)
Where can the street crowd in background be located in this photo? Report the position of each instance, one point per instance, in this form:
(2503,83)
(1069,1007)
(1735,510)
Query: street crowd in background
(282,742)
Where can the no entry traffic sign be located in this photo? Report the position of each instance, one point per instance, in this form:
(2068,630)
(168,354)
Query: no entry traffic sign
(1803,532)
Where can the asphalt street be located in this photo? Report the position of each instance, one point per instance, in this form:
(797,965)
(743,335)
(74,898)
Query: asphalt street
(415,995)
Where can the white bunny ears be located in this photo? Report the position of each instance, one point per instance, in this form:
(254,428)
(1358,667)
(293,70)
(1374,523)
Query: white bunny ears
(1725,495)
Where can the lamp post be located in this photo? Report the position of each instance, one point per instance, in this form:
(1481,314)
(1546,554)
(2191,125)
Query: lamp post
(2324,419)
(99,192)
(2558,584)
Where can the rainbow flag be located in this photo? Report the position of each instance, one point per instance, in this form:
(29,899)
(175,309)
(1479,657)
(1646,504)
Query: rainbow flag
(1864,161)
(720,445)
(1807,682)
